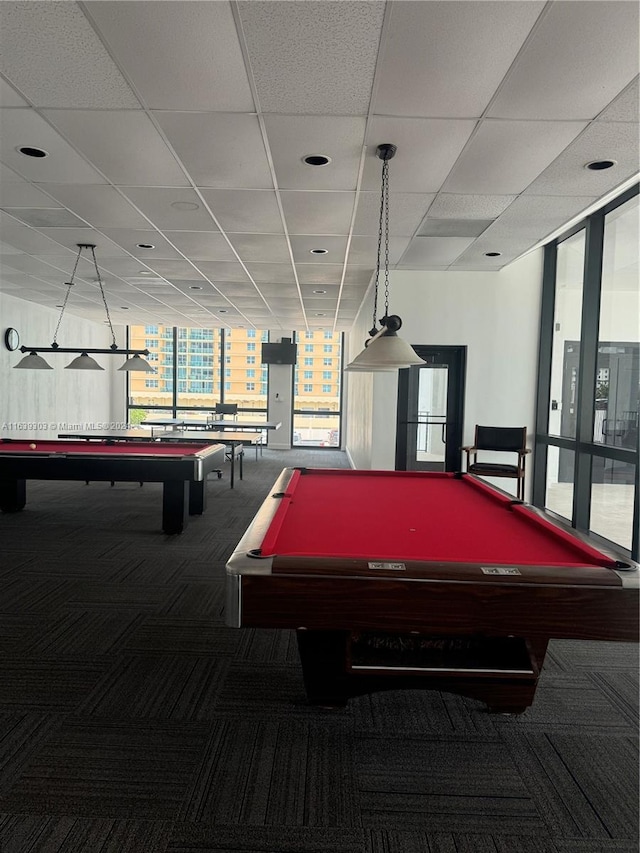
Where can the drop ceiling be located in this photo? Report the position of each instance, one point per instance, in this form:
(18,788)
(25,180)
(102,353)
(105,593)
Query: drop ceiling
(183,126)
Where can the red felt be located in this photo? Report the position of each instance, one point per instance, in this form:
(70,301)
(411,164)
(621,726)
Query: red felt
(100,448)
(397,516)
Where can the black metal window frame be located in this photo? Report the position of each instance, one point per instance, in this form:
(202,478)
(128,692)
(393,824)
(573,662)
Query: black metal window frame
(585,449)
(297,336)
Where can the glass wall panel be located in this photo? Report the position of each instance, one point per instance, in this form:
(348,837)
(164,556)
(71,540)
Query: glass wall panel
(317,389)
(617,390)
(612,494)
(559,493)
(245,378)
(198,368)
(152,389)
(566,337)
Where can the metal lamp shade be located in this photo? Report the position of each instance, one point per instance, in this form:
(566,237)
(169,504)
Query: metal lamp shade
(137,363)
(33,361)
(386,352)
(83,362)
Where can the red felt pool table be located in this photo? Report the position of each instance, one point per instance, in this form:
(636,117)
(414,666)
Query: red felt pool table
(181,468)
(422,580)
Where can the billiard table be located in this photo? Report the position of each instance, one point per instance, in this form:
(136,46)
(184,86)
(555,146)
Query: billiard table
(422,580)
(181,468)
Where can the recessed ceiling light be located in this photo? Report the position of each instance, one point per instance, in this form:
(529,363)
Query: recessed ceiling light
(599,165)
(319,291)
(316,160)
(194,287)
(320,314)
(145,245)
(32,152)
(184,205)
(222,311)
(492,254)
(319,251)
(145,272)
(124,307)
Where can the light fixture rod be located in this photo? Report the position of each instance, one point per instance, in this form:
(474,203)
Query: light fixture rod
(93,351)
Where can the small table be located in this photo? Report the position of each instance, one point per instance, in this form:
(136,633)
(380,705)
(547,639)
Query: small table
(422,580)
(182,468)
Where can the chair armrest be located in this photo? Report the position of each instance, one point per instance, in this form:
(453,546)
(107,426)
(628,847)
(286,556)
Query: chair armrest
(525,451)
(468,449)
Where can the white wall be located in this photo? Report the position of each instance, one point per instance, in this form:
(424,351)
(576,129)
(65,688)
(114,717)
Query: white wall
(496,315)
(54,400)
(280,402)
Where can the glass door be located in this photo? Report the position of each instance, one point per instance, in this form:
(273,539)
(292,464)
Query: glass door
(430,411)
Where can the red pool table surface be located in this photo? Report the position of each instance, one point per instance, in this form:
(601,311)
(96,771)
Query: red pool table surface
(416,516)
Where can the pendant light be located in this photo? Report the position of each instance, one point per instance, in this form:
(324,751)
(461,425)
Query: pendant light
(84,360)
(384,351)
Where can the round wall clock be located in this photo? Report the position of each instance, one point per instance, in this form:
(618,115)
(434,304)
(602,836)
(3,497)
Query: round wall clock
(11,339)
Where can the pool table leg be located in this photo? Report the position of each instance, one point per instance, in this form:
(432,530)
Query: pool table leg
(197,496)
(175,505)
(13,495)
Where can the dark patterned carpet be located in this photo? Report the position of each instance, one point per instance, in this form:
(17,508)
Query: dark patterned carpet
(133,721)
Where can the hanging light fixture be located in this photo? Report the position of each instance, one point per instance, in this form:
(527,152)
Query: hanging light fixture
(384,351)
(84,361)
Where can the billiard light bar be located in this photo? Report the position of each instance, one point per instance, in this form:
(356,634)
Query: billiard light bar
(84,361)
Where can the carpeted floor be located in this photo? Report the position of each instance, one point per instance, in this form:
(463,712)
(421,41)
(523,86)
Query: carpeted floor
(133,721)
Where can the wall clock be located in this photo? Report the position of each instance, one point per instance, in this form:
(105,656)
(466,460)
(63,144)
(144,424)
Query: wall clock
(11,339)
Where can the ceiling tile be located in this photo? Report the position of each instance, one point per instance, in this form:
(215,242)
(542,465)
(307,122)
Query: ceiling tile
(331,68)
(416,51)
(100,206)
(271,272)
(51,53)
(42,217)
(8,95)
(406,211)
(601,140)
(313,273)
(23,194)
(62,165)
(222,271)
(506,156)
(303,244)
(425,251)
(124,145)
(245,211)
(171,209)
(570,41)
(626,107)
(261,248)
(206,71)
(317,212)
(194,136)
(129,239)
(534,217)
(70,237)
(463,206)
(365,249)
(202,245)
(291,138)
(453,227)
(427,149)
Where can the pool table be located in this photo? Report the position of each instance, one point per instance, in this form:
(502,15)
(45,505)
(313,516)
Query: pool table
(422,580)
(181,468)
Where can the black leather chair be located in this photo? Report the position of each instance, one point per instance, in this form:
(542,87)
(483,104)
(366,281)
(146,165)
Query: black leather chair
(499,440)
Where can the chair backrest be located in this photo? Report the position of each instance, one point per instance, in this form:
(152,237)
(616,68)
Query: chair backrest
(226,409)
(501,438)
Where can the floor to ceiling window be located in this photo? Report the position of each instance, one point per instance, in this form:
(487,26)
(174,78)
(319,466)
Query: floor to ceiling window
(198,368)
(317,390)
(586,465)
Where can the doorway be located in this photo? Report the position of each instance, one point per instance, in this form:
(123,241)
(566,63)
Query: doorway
(431,410)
